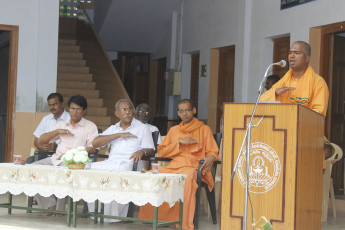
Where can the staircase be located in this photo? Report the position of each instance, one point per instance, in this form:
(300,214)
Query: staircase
(74,77)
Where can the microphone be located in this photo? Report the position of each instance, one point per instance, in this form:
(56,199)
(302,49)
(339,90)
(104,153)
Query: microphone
(282,63)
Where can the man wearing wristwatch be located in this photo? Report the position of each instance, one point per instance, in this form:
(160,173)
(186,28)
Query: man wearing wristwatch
(129,140)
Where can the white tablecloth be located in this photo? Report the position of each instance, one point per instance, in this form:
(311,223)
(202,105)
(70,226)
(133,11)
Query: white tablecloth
(91,185)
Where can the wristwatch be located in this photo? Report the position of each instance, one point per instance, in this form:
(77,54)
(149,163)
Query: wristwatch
(145,153)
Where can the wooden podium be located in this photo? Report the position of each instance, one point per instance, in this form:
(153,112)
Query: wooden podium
(285,166)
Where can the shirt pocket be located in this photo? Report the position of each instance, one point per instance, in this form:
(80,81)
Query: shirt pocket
(132,143)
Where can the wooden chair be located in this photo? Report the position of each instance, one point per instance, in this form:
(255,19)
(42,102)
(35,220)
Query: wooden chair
(328,182)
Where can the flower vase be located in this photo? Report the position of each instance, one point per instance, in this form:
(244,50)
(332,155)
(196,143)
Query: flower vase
(76,166)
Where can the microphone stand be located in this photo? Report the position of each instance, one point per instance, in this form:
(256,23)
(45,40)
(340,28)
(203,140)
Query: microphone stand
(248,138)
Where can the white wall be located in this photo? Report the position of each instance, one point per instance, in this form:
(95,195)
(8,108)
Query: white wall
(37,49)
(250,26)
(269,21)
(206,25)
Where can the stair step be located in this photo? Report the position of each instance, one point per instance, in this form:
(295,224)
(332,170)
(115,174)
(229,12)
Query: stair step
(69,55)
(67,42)
(71,62)
(69,48)
(73,69)
(86,93)
(97,111)
(91,102)
(99,120)
(76,85)
(94,111)
(74,77)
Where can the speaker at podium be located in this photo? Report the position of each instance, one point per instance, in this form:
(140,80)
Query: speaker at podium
(285,173)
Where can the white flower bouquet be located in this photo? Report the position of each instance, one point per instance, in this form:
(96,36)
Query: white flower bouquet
(75,156)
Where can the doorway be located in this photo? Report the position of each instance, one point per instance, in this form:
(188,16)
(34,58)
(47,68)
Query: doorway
(8,78)
(134,69)
(194,80)
(281,47)
(221,84)
(225,81)
(328,44)
(337,104)
(4,61)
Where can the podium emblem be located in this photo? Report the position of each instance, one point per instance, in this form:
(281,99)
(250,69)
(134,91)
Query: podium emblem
(264,168)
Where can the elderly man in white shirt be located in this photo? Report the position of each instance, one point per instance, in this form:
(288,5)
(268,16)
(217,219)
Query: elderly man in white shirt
(143,114)
(48,122)
(130,140)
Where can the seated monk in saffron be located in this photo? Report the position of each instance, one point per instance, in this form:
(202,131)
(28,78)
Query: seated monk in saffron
(186,144)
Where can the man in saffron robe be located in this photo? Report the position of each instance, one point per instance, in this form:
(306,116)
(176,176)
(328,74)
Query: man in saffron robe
(186,144)
(300,85)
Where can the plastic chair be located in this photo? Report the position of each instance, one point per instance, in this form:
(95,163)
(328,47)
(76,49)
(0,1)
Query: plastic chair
(328,182)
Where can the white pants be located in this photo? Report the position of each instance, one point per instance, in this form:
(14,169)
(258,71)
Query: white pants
(113,208)
(48,202)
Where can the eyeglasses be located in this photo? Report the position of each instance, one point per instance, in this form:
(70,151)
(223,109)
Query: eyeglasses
(124,110)
(75,109)
(143,113)
(184,111)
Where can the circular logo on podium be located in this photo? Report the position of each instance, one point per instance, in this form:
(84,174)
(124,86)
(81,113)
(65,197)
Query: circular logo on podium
(264,168)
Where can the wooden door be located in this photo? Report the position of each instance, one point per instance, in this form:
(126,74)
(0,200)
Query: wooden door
(11,88)
(4,62)
(281,47)
(225,81)
(160,94)
(134,69)
(194,79)
(119,65)
(141,86)
(337,108)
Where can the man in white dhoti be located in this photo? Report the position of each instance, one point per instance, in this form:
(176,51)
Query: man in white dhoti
(130,140)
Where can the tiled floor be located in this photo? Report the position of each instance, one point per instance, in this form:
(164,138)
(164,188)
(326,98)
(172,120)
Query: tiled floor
(20,220)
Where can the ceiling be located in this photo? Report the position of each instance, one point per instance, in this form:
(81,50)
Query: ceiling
(134,25)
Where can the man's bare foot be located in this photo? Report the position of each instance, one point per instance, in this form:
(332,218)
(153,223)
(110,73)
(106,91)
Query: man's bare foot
(58,214)
(120,222)
(49,213)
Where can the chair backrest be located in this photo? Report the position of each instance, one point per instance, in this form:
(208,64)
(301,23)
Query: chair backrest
(216,171)
(155,136)
(218,138)
(338,154)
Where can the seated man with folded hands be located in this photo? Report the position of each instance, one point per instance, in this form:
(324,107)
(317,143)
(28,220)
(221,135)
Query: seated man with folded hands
(74,132)
(130,140)
(186,144)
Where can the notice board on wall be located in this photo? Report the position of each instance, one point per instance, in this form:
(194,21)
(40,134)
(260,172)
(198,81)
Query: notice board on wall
(284,4)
